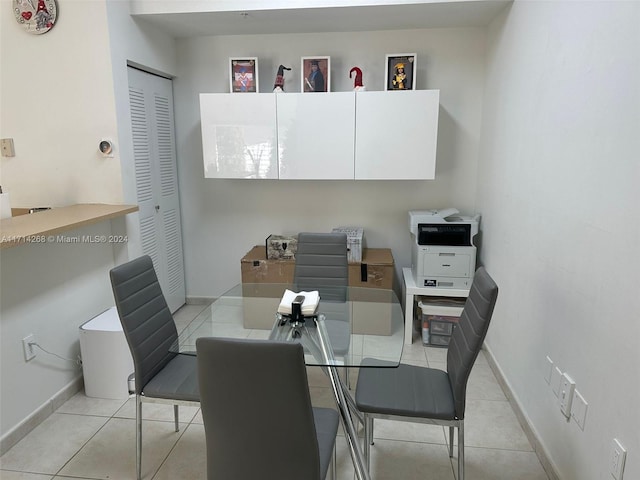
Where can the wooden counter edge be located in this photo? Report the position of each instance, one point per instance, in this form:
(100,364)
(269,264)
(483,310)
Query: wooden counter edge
(17,230)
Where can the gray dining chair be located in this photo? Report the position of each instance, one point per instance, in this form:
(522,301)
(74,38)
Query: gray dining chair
(257,413)
(161,376)
(428,395)
(322,264)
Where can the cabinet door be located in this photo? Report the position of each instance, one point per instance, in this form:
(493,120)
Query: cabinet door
(239,135)
(396,135)
(316,135)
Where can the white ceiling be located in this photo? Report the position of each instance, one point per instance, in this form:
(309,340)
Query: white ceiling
(326,19)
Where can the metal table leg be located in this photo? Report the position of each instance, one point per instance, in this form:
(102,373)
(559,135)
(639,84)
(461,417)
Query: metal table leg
(343,408)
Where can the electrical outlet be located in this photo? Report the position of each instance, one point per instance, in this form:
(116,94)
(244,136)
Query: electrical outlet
(579,409)
(567,386)
(548,370)
(556,378)
(618,457)
(29,350)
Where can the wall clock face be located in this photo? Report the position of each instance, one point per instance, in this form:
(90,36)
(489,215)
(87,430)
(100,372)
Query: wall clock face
(36,16)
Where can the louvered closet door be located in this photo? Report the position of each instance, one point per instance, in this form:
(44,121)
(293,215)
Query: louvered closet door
(152,127)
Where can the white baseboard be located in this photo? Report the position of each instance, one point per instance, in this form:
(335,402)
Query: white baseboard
(40,415)
(523,419)
(200,300)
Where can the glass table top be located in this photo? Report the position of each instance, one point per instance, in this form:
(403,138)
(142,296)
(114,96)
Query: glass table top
(364,326)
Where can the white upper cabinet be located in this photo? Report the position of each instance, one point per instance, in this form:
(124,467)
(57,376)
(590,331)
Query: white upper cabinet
(396,135)
(239,138)
(320,136)
(316,135)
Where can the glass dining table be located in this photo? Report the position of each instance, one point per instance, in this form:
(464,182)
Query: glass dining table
(353,327)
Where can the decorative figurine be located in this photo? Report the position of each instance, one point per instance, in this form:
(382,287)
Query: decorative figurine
(357,82)
(399,78)
(278,85)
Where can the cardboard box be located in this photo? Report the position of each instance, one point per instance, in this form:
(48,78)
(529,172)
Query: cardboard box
(369,315)
(375,271)
(256,268)
(259,305)
(281,247)
(355,242)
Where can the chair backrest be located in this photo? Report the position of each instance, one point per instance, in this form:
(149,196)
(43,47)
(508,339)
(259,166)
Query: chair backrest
(257,411)
(146,319)
(468,336)
(321,261)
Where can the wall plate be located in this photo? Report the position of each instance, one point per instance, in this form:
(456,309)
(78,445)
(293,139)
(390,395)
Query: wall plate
(556,377)
(567,386)
(579,409)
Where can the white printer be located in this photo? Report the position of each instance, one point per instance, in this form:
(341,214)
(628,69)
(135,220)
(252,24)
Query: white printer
(443,254)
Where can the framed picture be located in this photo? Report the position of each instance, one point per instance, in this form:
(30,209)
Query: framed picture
(243,75)
(315,74)
(400,71)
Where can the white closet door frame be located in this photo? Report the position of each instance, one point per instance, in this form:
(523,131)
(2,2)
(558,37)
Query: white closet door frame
(153,135)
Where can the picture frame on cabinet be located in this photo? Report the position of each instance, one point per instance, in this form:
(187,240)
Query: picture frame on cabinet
(243,75)
(400,71)
(316,74)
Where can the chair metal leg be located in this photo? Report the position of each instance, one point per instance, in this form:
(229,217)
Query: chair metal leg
(368,440)
(451,429)
(461,450)
(347,381)
(334,460)
(175,416)
(138,437)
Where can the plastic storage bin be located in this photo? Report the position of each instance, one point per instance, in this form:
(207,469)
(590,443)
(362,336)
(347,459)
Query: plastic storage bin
(438,317)
(440,340)
(106,358)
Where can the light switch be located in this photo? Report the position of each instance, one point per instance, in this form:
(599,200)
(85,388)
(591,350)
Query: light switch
(548,370)
(567,386)
(7,147)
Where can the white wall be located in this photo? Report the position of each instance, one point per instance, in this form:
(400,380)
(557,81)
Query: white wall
(58,104)
(558,189)
(61,93)
(223,219)
(137,43)
(47,290)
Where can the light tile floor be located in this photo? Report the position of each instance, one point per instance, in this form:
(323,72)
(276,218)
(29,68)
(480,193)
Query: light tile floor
(89,438)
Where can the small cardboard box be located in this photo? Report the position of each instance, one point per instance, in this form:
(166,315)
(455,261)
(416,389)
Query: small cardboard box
(256,268)
(355,242)
(375,271)
(281,247)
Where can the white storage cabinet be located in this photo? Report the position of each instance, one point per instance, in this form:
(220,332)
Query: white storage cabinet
(239,137)
(396,135)
(321,136)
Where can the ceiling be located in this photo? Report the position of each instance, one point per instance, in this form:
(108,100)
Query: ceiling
(327,19)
